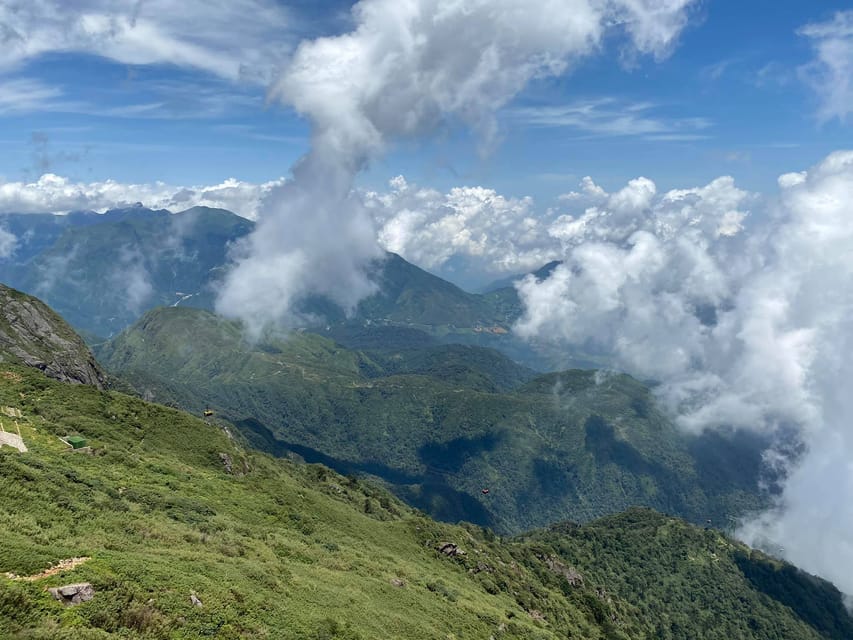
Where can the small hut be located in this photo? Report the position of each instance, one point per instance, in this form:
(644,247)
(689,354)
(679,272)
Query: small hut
(76,442)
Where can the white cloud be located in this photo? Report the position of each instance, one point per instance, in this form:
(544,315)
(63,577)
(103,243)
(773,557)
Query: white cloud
(236,39)
(427,227)
(830,74)
(744,325)
(8,244)
(23,95)
(57,194)
(402,70)
(608,117)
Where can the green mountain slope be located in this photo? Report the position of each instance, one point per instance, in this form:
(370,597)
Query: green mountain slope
(441,424)
(165,508)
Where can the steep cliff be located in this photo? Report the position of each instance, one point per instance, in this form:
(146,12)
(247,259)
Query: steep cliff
(30,332)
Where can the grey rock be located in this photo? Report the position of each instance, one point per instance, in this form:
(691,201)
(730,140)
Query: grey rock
(450,549)
(33,334)
(572,576)
(72,594)
(227,462)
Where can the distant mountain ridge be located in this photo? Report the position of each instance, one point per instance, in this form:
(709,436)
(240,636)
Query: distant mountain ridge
(103,271)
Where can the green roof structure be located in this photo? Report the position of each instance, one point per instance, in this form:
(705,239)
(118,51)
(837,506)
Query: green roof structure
(76,442)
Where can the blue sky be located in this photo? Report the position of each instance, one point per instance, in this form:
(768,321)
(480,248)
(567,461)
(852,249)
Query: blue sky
(733,98)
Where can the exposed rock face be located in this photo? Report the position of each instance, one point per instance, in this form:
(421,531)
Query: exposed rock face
(38,337)
(72,594)
(572,576)
(450,549)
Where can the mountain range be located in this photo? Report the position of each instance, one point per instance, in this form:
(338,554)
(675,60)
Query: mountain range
(165,526)
(407,390)
(103,271)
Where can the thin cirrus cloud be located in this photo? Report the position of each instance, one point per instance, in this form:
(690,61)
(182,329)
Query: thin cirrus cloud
(191,99)
(26,95)
(609,117)
(243,40)
(830,73)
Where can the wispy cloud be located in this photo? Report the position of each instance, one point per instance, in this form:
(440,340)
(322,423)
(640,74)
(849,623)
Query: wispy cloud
(251,132)
(161,100)
(717,70)
(609,117)
(830,73)
(241,40)
(23,95)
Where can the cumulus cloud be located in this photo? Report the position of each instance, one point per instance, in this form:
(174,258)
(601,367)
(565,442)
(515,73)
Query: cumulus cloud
(404,69)
(235,39)
(497,234)
(57,194)
(830,74)
(745,324)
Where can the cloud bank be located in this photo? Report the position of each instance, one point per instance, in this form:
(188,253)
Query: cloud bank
(494,233)
(57,194)
(405,69)
(745,319)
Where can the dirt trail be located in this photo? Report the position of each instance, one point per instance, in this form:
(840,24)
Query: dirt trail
(59,567)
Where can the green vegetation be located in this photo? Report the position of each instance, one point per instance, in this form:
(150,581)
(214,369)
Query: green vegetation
(182,533)
(439,424)
(682,579)
(283,550)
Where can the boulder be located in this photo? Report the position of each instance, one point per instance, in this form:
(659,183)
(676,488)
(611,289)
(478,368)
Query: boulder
(72,594)
(450,549)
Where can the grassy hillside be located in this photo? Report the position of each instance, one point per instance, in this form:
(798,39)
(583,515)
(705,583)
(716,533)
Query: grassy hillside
(165,506)
(440,424)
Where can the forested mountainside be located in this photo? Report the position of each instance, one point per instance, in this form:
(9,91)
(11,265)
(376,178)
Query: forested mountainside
(439,424)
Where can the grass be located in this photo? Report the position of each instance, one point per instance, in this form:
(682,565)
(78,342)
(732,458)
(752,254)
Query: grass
(278,549)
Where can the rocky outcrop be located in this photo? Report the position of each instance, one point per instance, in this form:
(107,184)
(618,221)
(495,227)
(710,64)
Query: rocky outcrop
(72,594)
(572,576)
(32,333)
(450,549)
